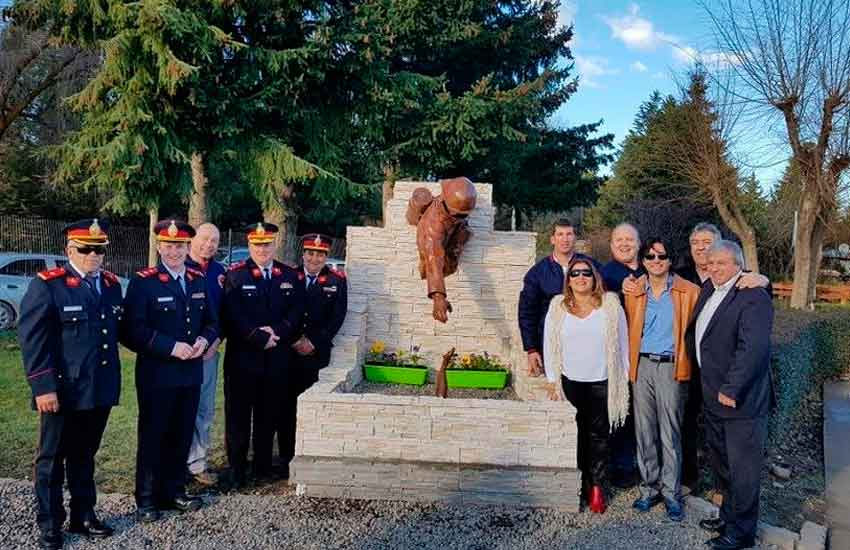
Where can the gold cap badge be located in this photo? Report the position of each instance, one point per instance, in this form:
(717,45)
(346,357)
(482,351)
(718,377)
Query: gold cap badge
(172,230)
(94,229)
(260,229)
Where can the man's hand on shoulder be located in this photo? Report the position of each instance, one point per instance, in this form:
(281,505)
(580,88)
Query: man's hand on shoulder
(752,280)
(632,285)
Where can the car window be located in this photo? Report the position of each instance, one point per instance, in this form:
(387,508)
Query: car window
(61,262)
(24,268)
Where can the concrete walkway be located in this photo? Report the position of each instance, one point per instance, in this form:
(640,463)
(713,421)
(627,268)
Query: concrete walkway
(836,451)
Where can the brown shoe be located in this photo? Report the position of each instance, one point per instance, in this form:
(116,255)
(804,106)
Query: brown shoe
(205,478)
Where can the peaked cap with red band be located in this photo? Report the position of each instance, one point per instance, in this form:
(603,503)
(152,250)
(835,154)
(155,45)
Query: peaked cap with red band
(173,231)
(261,233)
(315,241)
(90,231)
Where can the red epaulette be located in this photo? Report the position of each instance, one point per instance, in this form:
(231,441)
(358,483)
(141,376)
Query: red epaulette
(340,274)
(195,272)
(51,274)
(147,272)
(237,266)
(109,277)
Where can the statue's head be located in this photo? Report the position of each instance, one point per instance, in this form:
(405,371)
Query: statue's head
(459,196)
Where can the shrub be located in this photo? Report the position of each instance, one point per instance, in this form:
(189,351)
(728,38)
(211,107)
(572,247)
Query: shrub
(808,348)
(474,361)
(378,354)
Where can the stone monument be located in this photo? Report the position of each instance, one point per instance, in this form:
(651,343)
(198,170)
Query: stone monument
(376,446)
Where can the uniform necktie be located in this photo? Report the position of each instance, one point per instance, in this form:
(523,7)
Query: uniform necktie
(91,280)
(266,274)
(310,280)
(182,283)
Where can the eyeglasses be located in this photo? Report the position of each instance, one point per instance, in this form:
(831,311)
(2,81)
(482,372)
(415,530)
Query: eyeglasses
(86,250)
(581,273)
(653,256)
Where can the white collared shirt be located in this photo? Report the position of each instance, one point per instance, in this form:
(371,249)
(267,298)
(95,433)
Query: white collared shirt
(710,308)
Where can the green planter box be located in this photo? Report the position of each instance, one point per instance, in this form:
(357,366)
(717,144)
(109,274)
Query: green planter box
(384,374)
(483,379)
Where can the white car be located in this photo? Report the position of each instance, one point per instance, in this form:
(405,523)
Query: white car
(16,272)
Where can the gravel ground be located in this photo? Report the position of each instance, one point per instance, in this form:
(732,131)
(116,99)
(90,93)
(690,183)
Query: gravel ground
(431,390)
(287,521)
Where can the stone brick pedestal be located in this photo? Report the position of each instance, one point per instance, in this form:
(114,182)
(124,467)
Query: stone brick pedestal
(405,447)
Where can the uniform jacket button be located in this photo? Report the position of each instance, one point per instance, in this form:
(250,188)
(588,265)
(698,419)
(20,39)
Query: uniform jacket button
(104,331)
(105,346)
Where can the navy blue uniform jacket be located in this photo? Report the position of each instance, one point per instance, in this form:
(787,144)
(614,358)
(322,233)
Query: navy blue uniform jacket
(735,351)
(69,339)
(251,302)
(159,314)
(544,281)
(324,312)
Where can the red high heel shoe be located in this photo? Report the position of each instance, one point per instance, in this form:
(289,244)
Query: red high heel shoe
(597,500)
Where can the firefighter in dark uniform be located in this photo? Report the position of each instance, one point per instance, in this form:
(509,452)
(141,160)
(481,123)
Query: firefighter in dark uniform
(261,311)
(68,332)
(169,323)
(326,302)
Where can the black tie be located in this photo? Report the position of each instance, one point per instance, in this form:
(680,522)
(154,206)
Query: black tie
(266,275)
(181,283)
(310,280)
(91,280)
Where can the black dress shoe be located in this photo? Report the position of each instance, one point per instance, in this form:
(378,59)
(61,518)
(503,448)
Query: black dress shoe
(183,503)
(50,539)
(724,542)
(713,524)
(91,528)
(147,514)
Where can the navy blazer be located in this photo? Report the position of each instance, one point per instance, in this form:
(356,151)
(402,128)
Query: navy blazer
(735,351)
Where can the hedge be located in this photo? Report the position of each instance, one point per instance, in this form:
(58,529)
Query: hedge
(808,348)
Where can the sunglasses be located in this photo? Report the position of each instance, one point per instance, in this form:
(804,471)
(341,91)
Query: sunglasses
(86,250)
(581,273)
(653,256)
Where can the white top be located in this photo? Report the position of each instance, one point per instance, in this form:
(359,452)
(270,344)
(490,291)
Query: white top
(709,309)
(583,348)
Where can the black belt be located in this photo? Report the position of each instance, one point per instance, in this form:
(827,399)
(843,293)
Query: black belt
(666,358)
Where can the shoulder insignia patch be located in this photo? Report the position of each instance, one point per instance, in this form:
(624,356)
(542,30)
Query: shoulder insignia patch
(72,281)
(237,266)
(196,272)
(109,278)
(147,272)
(338,273)
(50,274)
(164,278)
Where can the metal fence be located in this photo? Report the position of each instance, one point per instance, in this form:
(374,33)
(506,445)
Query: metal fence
(128,245)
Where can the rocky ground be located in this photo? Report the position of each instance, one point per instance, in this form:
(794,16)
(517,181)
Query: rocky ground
(284,520)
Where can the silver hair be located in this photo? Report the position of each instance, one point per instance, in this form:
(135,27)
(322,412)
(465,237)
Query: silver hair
(705,227)
(731,247)
(626,225)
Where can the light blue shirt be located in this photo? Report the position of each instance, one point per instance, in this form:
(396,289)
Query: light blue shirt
(658,322)
(175,274)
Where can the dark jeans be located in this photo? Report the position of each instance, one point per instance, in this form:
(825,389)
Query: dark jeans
(737,452)
(67,443)
(692,433)
(166,425)
(590,400)
(252,404)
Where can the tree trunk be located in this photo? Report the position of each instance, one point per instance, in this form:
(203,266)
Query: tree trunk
(390,175)
(282,213)
(751,254)
(804,254)
(198,212)
(737,222)
(153,217)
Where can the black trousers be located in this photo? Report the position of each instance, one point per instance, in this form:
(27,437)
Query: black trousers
(590,400)
(251,409)
(624,443)
(67,443)
(304,375)
(166,425)
(737,452)
(692,436)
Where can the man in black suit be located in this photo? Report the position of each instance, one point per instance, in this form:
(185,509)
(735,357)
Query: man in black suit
(69,342)
(729,338)
(262,310)
(169,323)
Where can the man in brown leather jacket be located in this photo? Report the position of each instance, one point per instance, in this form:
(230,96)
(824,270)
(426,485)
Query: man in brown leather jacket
(441,232)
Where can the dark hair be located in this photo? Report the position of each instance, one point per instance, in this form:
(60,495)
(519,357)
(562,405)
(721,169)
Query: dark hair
(561,222)
(647,247)
(598,284)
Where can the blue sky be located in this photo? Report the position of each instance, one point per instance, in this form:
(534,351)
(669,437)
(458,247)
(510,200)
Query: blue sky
(624,50)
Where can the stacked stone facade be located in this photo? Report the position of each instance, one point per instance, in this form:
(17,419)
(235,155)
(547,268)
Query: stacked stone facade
(421,438)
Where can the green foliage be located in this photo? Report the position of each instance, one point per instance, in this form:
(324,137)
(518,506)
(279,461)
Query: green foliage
(808,348)
(378,354)
(476,361)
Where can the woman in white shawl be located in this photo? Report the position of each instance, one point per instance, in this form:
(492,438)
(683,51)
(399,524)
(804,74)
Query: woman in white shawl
(585,350)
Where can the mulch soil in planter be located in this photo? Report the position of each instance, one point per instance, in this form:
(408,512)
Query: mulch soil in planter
(431,389)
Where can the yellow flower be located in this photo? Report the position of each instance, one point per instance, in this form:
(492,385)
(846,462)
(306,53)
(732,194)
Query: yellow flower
(466,359)
(378,347)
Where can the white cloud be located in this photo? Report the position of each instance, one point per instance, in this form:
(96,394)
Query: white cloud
(592,68)
(638,67)
(714,59)
(635,31)
(567,13)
